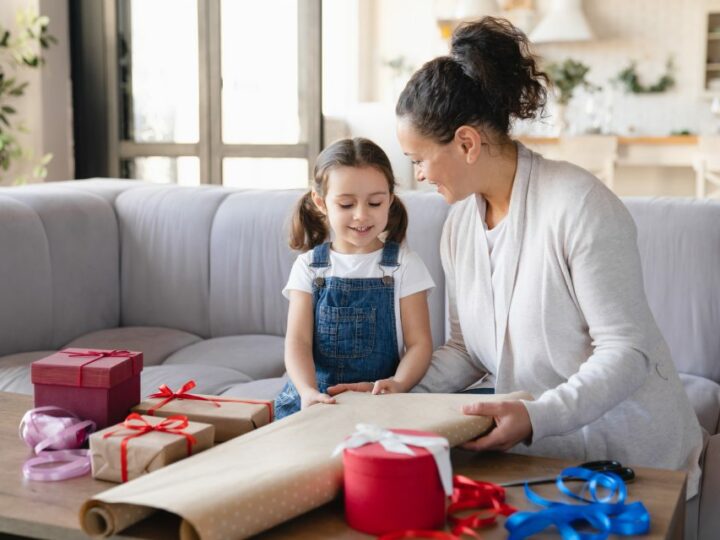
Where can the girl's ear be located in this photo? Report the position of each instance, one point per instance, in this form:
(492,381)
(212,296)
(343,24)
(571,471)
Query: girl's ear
(469,141)
(319,203)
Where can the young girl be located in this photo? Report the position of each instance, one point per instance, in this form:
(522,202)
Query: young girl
(358,305)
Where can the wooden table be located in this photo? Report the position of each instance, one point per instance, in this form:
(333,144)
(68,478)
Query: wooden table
(50,509)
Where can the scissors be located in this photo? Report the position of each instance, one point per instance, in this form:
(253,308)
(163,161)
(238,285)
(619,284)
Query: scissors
(609,466)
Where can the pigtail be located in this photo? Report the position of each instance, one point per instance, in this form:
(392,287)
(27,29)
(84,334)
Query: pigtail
(309,228)
(397,221)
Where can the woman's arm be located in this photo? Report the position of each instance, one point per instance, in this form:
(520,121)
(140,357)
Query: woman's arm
(298,349)
(415,319)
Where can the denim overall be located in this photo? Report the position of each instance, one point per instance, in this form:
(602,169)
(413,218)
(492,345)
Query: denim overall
(354,336)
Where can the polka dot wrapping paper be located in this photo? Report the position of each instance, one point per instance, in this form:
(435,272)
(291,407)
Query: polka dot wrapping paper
(277,472)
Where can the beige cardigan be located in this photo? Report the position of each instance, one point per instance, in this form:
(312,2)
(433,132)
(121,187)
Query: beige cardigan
(576,331)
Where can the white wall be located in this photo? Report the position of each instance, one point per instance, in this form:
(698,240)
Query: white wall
(45,108)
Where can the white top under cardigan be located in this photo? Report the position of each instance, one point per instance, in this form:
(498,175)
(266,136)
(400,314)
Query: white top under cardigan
(576,331)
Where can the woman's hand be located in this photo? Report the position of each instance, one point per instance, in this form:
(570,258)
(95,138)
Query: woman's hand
(350,387)
(311,397)
(512,425)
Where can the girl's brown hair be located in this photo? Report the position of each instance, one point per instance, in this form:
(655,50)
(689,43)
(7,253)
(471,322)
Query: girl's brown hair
(309,225)
(489,79)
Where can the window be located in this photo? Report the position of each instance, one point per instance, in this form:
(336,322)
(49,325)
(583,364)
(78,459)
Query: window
(212,91)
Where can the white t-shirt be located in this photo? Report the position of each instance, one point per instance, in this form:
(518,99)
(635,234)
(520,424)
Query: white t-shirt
(411,276)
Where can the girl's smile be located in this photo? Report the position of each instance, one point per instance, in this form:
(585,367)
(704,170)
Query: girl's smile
(356,205)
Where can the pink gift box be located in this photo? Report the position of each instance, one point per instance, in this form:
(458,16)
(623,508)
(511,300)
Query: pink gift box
(96,384)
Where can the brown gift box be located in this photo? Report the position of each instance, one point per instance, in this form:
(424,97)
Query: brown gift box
(145,452)
(231,417)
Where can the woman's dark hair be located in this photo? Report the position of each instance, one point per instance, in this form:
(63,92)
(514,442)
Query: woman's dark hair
(309,226)
(489,78)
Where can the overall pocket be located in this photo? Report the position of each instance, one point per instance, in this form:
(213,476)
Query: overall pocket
(345,332)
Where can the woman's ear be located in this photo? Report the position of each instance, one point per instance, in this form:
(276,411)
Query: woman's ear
(469,140)
(319,202)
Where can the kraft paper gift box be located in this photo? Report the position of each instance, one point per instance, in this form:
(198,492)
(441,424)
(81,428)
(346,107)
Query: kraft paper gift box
(143,444)
(95,384)
(231,417)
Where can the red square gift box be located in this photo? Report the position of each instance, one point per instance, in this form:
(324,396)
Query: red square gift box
(396,480)
(98,385)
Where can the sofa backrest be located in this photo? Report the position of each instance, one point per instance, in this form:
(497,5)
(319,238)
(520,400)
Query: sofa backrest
(679,243)
(213,261)
(59,266)
(250,259)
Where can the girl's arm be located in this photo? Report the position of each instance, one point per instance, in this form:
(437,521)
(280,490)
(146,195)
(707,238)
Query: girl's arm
(298,349)
(415,319)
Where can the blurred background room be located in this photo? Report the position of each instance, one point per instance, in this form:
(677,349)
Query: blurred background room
(246,93)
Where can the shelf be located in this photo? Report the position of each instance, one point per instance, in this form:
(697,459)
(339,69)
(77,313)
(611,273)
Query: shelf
(715,66)
(713,36)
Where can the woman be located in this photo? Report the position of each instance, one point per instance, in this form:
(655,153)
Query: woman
(542,271)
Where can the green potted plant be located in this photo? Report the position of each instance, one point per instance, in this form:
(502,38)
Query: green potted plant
(20,50)
(566,77)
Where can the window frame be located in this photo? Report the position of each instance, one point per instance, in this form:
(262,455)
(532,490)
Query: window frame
(210,149)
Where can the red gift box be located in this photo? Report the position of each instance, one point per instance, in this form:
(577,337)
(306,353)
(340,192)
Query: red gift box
(98,385)
(387,491)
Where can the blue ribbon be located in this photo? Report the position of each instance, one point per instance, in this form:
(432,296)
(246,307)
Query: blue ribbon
(606,514)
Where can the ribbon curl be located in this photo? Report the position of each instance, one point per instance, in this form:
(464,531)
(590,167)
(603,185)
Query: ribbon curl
(55,435)
(607,514)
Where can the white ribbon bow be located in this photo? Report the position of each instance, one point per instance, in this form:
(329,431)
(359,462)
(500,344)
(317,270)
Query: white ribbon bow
(397,443)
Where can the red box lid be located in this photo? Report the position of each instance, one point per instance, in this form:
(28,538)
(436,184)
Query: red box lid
(92,368)
(373,460)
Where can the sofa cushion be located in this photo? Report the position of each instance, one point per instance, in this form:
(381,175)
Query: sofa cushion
(262,389)
(704,396)
(678,242)
(16,379)
(427,216)
(165,264)
(250,262)
(212,380)
(15,371)
(257,356)
(155,343)
(62,279)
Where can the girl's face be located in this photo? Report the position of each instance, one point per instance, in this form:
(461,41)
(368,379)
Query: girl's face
(442,165)
(356,204)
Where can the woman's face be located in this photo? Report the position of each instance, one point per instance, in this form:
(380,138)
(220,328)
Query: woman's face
(443,165)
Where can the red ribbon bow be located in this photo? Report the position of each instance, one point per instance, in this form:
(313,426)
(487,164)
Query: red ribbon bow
(468,494)
(116,353)
(172,424)
(168,395)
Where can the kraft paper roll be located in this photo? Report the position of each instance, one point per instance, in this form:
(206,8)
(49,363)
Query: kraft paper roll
(275,473)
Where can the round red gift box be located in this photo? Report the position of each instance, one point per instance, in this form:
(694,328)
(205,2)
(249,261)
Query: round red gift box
(386,491)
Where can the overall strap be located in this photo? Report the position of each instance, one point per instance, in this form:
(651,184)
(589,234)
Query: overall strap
(321,256)
(390,254)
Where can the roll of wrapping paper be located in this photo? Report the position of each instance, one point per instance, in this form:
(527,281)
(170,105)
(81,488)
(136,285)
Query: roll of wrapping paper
(275,473)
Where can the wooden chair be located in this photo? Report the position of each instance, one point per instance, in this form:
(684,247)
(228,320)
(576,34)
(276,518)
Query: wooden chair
(707,167)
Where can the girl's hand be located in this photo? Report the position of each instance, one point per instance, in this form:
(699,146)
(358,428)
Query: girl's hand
(311,397)
(350,387)
(387,386)
(512,425)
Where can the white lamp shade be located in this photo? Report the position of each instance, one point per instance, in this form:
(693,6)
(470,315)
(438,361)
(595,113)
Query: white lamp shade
(473,9)
(564,22)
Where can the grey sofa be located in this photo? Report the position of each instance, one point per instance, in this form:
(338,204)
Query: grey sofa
(192,277)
